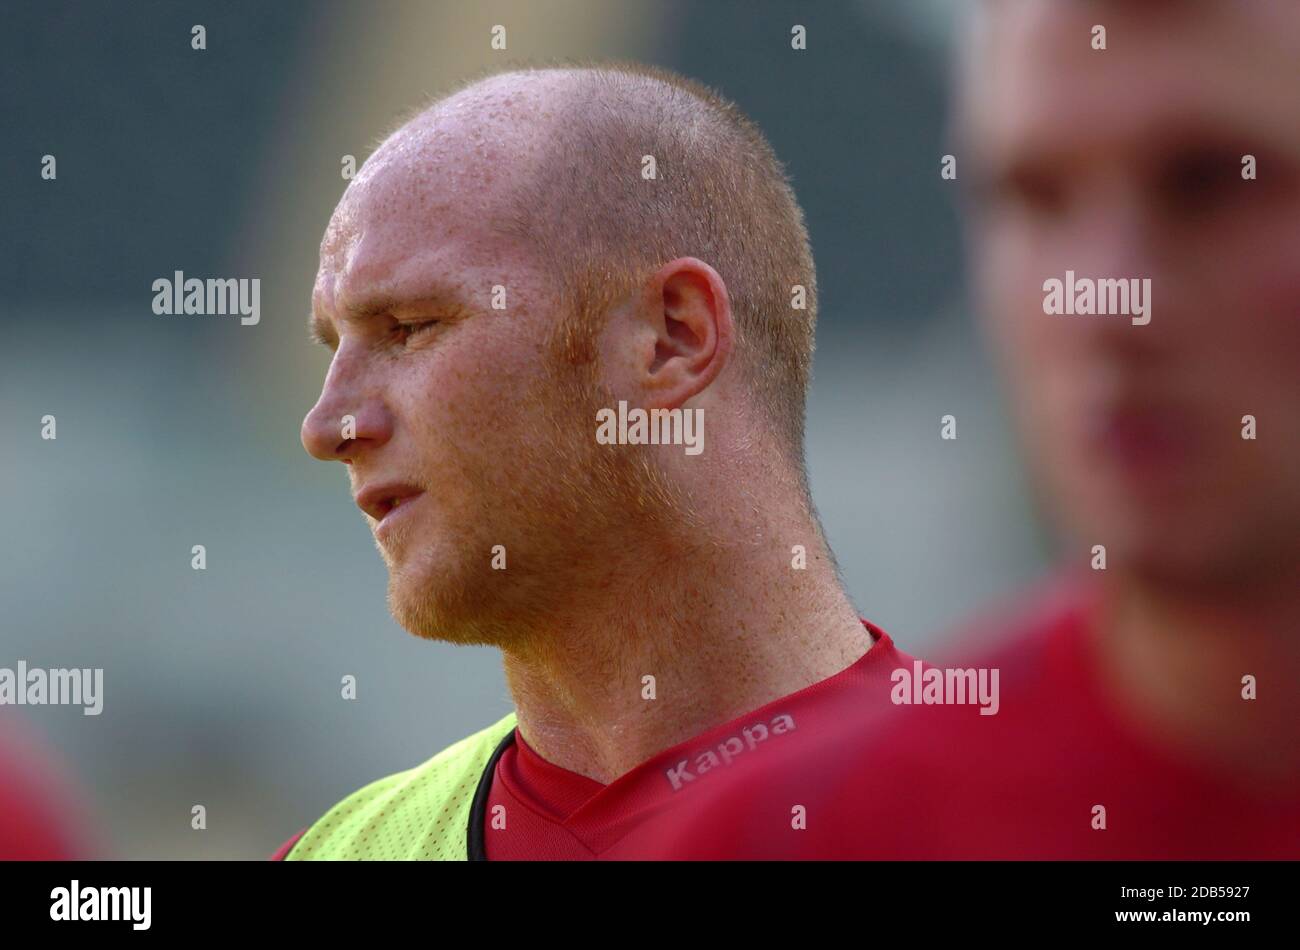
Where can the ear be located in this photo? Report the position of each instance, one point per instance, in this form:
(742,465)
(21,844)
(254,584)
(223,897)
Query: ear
(676,338)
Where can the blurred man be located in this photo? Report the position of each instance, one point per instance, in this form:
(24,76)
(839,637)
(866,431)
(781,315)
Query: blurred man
(1150,699)
(515,274)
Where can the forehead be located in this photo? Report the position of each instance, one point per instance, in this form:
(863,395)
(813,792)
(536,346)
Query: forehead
(430,202)
(1033,82)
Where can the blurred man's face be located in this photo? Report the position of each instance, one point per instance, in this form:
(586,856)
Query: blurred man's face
(1127,163)
(467,435)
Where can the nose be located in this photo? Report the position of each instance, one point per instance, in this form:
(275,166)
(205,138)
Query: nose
(348,418)
(1119,240)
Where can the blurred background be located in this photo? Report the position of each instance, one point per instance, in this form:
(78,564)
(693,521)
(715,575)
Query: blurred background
(222,687)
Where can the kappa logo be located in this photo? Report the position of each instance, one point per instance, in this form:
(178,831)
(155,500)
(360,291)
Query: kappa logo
(726,751)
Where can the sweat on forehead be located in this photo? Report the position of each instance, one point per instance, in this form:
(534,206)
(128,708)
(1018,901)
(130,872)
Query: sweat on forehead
(442,175)
(456,153)
(451,168)
(490,125)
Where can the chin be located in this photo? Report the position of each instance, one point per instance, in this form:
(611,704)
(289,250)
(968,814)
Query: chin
(434,602)
(1178,555)
(423,606)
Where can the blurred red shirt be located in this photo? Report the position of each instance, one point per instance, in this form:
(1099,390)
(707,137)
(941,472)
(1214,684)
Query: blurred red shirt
(945,782)
(36,807)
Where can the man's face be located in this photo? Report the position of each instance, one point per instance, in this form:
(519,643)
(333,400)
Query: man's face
(462,417)
(1127,163)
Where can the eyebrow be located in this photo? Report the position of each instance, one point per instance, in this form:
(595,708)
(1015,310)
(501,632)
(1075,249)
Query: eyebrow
(321,328)
(1162,137)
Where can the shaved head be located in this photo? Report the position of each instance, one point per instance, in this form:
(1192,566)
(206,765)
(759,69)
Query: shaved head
(600,227)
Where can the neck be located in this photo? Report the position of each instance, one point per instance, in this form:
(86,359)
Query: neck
(722,631)
(1176,660)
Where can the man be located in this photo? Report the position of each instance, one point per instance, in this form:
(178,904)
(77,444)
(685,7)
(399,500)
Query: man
(513,275)
(1150,700)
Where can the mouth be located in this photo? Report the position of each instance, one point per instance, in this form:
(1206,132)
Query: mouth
(1143,439)
(381,501)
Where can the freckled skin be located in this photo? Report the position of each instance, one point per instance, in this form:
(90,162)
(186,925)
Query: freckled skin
(1102,133)
(456,411)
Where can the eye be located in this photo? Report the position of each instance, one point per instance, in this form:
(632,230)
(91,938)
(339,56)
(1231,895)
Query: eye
(1199,181)
(415,328)
(1030,190)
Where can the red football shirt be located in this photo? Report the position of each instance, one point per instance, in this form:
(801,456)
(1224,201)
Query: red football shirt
(36,808)
(537,810)
(945,782)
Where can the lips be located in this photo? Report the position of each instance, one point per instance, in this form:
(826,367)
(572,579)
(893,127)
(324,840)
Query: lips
(1143,438)
(378,501)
